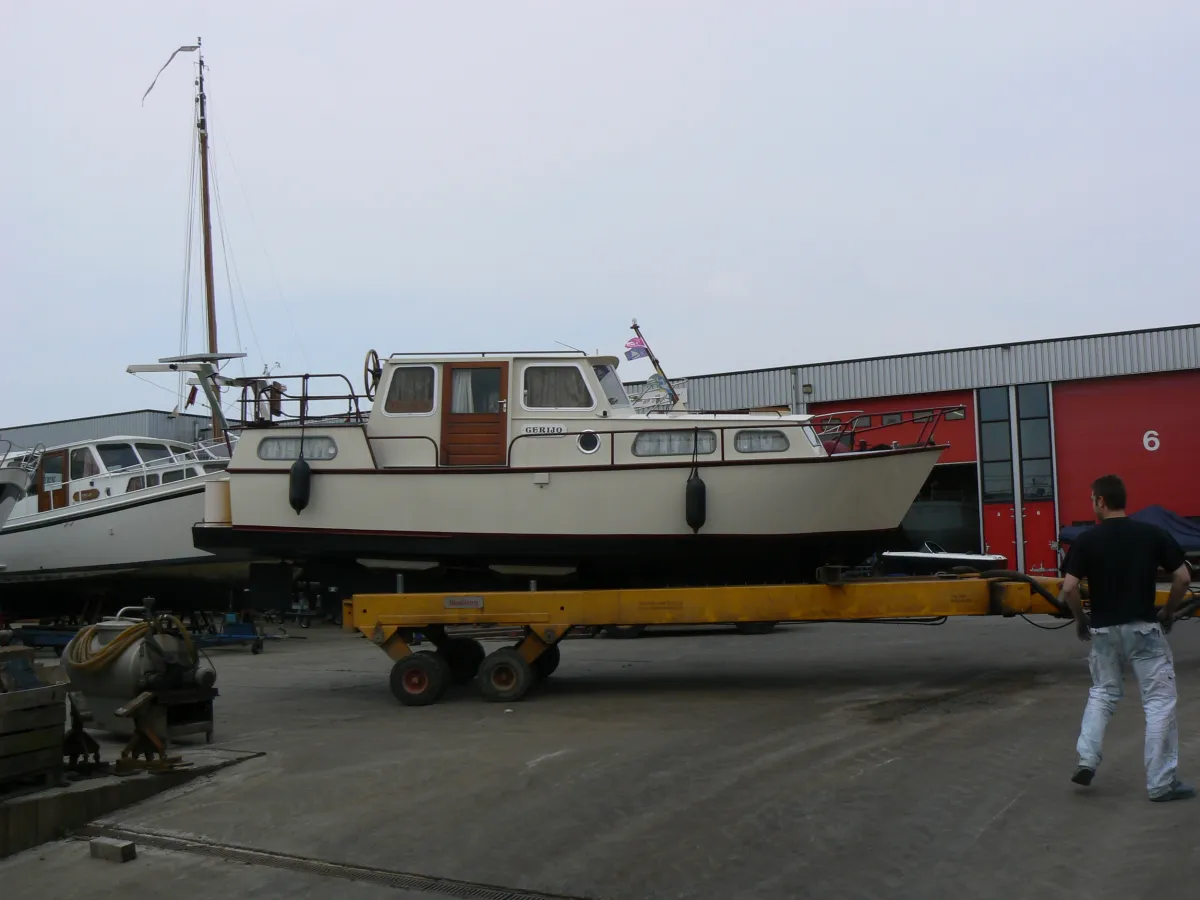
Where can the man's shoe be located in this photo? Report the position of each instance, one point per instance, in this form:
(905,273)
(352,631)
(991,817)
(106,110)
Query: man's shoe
(1178,791)
(1083,776)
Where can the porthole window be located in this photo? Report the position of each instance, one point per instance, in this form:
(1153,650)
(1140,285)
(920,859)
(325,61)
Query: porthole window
(675,443)
(589,442)
(760,440)
(276,448)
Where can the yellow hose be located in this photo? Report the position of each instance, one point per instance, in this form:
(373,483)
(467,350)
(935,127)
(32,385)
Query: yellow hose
(80,655)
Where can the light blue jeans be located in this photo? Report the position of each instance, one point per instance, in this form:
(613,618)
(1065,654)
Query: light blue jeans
(1144,647)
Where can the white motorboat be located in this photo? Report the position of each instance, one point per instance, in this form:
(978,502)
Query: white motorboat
(524,463)
(100,511)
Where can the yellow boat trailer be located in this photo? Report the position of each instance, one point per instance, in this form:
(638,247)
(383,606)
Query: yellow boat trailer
(420,678)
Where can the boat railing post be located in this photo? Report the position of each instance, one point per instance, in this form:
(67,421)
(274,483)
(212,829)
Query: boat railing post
(399,582)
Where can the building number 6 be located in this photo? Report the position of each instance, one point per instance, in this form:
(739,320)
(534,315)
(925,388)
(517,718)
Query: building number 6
(1150,441)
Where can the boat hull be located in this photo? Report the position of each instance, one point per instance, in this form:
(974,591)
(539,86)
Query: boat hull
(121,549)
(615,526)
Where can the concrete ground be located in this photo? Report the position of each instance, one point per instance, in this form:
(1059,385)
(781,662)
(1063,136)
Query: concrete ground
(826,760)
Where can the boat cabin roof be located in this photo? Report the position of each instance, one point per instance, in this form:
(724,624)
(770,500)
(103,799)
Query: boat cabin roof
(595,359)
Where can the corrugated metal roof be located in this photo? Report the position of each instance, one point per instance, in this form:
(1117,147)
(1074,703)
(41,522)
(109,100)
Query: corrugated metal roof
(139,423)
(1061,359)
(1066,359)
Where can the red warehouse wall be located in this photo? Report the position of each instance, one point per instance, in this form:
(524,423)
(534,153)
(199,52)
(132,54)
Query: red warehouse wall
(1144,428)
(959,433)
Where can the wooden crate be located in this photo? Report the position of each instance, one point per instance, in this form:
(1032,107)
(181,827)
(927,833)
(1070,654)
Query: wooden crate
(32,722)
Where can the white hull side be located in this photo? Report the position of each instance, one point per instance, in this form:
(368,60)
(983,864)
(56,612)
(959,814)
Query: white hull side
(107,536)
(851,493)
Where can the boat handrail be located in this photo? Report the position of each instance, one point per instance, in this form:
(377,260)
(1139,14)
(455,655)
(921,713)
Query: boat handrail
(279,401)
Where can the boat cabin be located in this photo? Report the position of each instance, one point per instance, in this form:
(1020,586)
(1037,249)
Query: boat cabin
(517,410)
(87,471)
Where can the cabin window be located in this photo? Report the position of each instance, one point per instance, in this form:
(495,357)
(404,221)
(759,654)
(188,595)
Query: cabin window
(52,470)
(191,473)
(153,452)
(136,483)
(475,390)
(117,456)
(83,463)
(183,452)
(812,436)
(152,480)
(172,476)
(556,387)
(411,391)
(274,448)
(611,385)
(760,440)
(674,443)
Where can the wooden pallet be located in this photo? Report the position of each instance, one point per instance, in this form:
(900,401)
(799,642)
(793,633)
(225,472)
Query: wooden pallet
(32,719)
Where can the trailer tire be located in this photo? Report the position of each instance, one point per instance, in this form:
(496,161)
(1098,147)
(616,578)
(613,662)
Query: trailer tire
(505,676)
(463,656)
(544,665)
(755,627)
(420,678)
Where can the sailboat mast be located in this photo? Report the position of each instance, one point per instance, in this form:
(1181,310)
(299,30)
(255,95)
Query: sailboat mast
(210,303)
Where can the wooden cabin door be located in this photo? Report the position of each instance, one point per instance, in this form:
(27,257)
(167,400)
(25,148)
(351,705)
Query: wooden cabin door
(52,481)
(475,414)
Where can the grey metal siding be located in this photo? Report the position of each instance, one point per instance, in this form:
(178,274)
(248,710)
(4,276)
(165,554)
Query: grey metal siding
(140,423)
(744,390)
(1070,359)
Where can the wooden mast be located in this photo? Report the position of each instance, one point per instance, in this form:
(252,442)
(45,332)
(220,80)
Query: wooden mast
(210,303)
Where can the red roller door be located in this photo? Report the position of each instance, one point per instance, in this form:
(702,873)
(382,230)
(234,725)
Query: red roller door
(959,433)
(1144,428)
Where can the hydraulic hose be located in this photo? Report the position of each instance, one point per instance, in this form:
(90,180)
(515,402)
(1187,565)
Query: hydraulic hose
(1008,575)
(81,656)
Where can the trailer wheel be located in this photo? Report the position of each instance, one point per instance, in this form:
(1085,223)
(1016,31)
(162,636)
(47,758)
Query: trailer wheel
(257,647)
(544,665)
(623,631)
(463,656)
(755,627)
(420,678)
(505,676)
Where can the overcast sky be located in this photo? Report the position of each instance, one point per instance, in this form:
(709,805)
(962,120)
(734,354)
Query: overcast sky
(760,184)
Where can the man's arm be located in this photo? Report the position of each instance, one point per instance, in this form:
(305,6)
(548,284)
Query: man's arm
(1181,580)
(1070,596)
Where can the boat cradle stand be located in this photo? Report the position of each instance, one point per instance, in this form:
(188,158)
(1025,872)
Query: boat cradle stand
(505,675)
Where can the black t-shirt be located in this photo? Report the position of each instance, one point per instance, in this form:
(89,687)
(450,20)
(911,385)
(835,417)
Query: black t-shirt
(1120,558)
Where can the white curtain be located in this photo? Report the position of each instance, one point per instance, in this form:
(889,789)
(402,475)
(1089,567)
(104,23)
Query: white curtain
(463,399)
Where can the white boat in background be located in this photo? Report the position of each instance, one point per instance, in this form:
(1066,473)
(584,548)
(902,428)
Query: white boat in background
(522,463)
(100,512)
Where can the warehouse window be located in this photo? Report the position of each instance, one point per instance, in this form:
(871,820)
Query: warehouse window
(958,412)
(674,443)
(995,446)
(923,415)
(893,418)
(861,422)
(1033,428)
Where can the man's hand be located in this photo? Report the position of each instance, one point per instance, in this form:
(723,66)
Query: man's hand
(1166,618)
(1082,631)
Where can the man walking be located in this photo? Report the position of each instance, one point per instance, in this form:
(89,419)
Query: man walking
(1120,558)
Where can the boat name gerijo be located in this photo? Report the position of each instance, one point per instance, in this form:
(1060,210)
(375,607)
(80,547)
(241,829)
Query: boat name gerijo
(544,429)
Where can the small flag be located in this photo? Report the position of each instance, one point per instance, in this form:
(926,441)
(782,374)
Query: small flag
(637,353)
(191,397)
(635,342)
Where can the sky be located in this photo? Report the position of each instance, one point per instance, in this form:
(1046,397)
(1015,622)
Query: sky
(758,184)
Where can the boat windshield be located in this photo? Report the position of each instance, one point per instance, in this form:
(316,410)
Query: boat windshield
(611,384)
